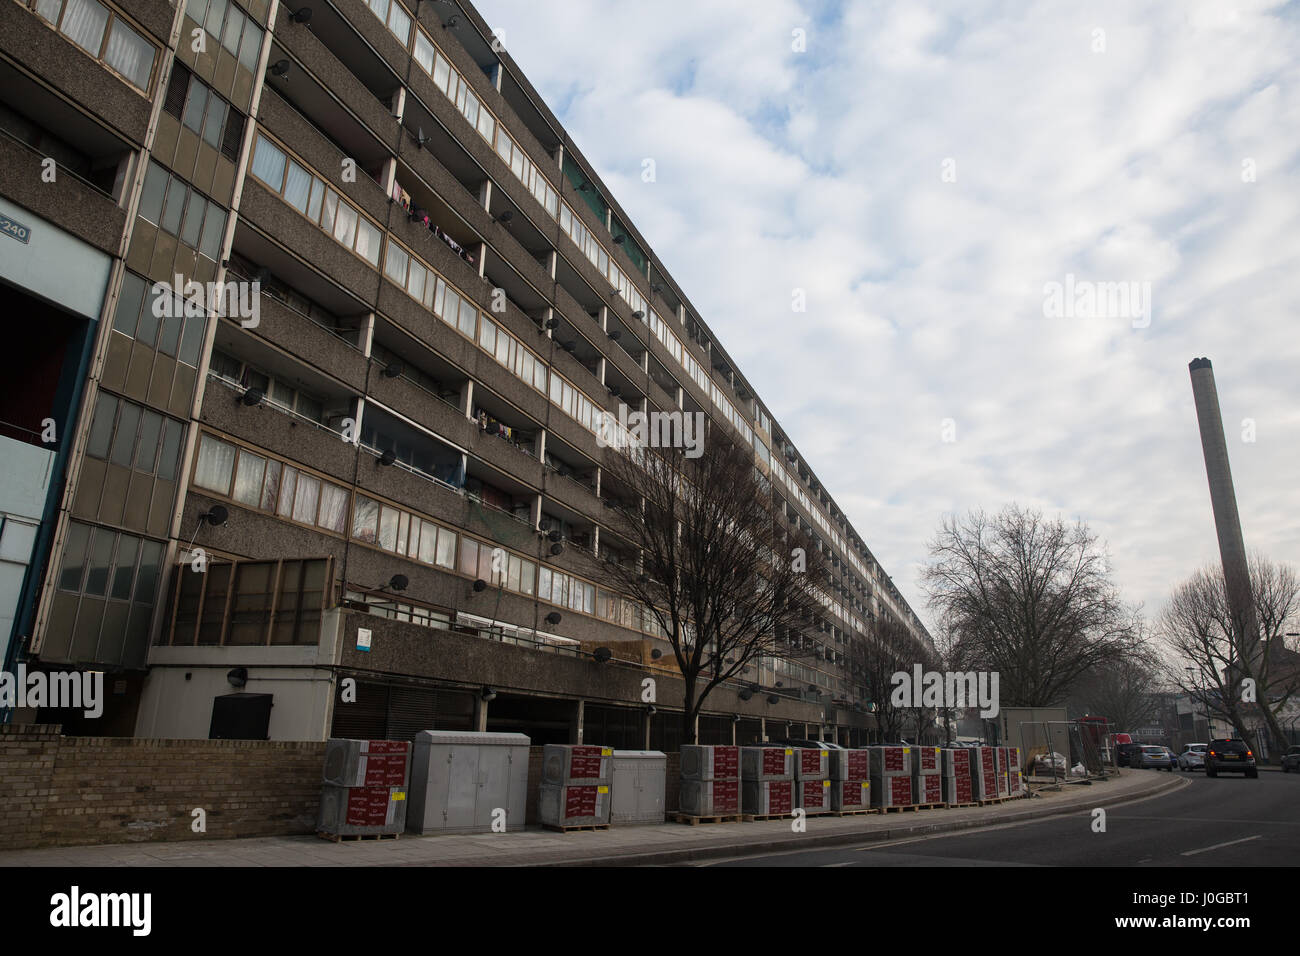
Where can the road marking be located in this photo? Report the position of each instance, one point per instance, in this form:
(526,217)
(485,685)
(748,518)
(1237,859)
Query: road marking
(1206,849)
(849,863)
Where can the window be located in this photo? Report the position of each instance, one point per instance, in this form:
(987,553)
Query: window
(229,26)
(265,484)
(169,203)
(251,603)
(309,194)
(103,33)
(279,393)
(134,437)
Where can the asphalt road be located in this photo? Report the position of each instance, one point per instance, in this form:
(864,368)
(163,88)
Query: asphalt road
(1225,822)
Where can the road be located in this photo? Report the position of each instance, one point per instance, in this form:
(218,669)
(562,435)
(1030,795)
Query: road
(1226,822)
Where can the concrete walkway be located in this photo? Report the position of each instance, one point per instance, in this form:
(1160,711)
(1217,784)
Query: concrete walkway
(618,846)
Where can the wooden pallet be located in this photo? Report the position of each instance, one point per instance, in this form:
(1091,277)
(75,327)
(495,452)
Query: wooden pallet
(854,813)
(580,826)
(973,803)
(760,817)
(930,806)
(910,806)
(991,800)
(717,818)
(355,837)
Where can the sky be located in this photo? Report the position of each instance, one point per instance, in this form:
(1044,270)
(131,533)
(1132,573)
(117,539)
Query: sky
(946,184)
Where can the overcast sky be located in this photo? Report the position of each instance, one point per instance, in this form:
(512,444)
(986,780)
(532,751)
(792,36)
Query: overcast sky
(924,171)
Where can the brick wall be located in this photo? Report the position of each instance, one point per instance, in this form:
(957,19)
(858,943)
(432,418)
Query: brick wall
(64,791)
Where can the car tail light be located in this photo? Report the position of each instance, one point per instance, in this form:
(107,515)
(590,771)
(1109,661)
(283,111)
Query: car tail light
(1249,754)
(1213,754)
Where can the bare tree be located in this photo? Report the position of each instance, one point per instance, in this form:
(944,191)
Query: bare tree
(1208,637)
(1124,690)
(1030,598)
(891,648)
(712,563)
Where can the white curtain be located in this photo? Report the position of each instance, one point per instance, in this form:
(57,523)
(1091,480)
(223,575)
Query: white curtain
(216,462)
(333,508)
(130,54)
(83,24)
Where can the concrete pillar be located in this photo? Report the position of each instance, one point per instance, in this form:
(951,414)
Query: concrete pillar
(1227,522)
(762,728)
(734,725)
(467,400)
(480,713)
(575,722)
(646,718)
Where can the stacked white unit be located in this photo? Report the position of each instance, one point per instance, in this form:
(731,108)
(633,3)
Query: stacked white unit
(1009,771)
(767,780)
(850,780)
(710,785)
(927,776)
(575,788)
(1004,785)
(985,773)
(365,788)
(468,782)
(958,776)
(891,777)
(812,783)
(639,782)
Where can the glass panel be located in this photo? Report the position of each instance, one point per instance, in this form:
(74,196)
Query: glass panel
(400,24)
(271,489)
(146,582)
(395,263)
(468,556)
(248,478)
(331,207)
(441,71)
(304,506)
(151,197)
(194,207)
(487,336)
(101,553)
(171,333)
(251,46)
(297,187)
(174,206)
(169,459)
(101,428)
(427,551)
(150,428)
(403,530)
(124,571)
(74,557)
(234,27)
(214,228)
(512,573)
(415,281)
(365,520)
(313,204)
(49,9)
(446,548)
(124,437)
(192,340)
(527,577)
(83,24)
(468,314)
(423,52)
(368,241)
(345,225)
(388,529)
(485,562)
(198,99)
(268,163)
(544,584)
(129,302)
(216,463)
(130,54)
(250,611)
(333,508)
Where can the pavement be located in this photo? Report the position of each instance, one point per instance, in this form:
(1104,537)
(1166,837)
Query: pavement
(657,845)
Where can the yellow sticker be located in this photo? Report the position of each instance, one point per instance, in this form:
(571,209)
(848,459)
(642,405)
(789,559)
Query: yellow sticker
(607,752)
(907,750)
(789,753)
(399,796)
(936,749)
(602,789)
(826,783)
(865,785)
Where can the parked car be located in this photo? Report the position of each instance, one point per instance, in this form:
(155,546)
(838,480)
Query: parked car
(1151,757)
(1291,760)
(1232,755)
(810,744)
(1192,757)
(1126,754)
